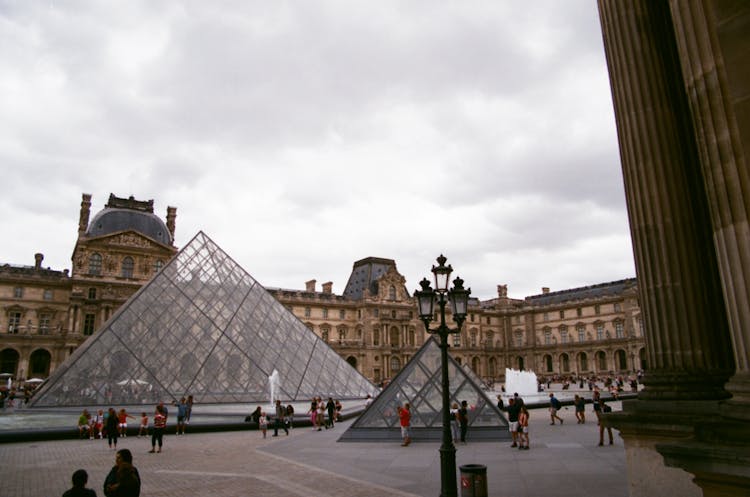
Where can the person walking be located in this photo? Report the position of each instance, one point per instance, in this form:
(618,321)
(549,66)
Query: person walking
(279,420)
(554,406)
(580,406)
(404,416)
(600,408)
(181,415)
(331,408)
(160,425)
(123,479)
(80,478)
(463,420)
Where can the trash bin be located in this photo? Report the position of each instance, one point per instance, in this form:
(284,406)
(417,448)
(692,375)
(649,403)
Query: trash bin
(473,480)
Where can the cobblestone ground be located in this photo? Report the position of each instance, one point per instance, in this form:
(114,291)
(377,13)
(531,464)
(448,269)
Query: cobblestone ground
(216,464)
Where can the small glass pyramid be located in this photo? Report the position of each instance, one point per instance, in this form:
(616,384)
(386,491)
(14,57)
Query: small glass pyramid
(203,327)
(420,384)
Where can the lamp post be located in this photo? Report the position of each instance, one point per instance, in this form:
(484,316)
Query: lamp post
(426,299)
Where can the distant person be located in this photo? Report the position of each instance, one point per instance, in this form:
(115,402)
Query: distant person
(404,417)
(84,424)
(123,479)
(254,416)
(122,422)
(554,406)
(331,408)
(263,423)
(143,429)
(289,416)
(279,421)
(513,409)
(580,406)
(181,415)
(160,425)
(339,408)
(500,404)
(463,420)
(454,422)
(189,409)
(111,424)
(600,408)
(523,428)
(80,478)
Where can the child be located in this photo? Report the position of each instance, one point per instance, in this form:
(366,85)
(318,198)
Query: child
(263,423)
(144,425)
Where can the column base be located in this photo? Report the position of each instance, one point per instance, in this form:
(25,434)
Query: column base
(646,424)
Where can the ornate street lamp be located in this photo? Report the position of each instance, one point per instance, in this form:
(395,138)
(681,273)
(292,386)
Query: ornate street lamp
(459,298)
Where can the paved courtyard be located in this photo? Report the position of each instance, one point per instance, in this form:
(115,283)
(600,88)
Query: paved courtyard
(563,461)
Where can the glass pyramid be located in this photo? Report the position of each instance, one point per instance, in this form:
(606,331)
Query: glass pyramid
(203,327)
(420,384)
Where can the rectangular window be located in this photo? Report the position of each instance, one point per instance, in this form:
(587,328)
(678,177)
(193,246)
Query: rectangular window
(44,320)
(579,312)
(14,321)
(342,314)
(92,293)
(456,339)
(307,312)
(545,316)
(600,332)
(376,312)
(597,309)
(519,339)
(88,324)
(488,320)
(618,307)
(581,334)
(562,314)
(547,337)
(473,338)
(325,313)
(18,292)
(471,317)
(564,336)
(619,329)
(48,295)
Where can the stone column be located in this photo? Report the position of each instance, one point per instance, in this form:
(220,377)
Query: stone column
(712,40)
(687,335)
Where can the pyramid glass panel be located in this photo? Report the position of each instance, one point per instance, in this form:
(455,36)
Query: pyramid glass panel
(203,327)
(420,384)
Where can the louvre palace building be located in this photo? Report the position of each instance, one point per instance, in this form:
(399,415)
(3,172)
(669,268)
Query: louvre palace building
(373,324)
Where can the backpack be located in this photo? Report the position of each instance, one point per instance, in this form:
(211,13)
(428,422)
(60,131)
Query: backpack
(556,403)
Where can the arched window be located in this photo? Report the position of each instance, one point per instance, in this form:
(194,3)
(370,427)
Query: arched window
(583,361)
(95,264)
(324,334)
(342,335)
(392,293)
(622,360)
(548,363)
(564,363)
(39,363)
(395,365)
(127,267)
(9,361)
(352,361)
(601,361)
(475,366)
(492,365)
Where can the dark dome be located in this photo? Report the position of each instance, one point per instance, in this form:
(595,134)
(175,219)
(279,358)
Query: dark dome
(114,220)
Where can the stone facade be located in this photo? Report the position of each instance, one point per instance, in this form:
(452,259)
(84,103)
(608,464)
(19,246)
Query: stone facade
(46,314)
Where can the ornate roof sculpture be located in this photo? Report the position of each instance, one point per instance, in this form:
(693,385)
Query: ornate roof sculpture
(420,384)
(203,327)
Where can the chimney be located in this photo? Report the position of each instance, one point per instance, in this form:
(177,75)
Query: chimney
(502,291)
(545,290)
(38,258)
(310,286)
(328,287)
(83,220)
(171,216)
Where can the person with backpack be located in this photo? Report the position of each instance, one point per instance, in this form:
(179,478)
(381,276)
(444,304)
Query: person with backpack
(600,408)
(554,406)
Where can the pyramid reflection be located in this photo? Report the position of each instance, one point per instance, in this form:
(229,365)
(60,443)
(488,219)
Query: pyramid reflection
(203,327)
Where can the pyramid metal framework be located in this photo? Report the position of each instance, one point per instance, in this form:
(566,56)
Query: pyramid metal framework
(420,384)
(203,327)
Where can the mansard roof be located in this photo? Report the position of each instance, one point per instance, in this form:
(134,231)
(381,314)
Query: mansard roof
(583,293)
(121,214)
(365,275)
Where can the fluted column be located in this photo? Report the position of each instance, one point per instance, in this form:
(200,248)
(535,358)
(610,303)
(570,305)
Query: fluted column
(688,344)
(726,176)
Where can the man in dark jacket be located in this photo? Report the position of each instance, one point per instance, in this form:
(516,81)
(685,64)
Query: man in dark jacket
(123,479)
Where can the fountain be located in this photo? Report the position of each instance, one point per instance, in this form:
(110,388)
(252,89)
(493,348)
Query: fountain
(273,386)
(524,383)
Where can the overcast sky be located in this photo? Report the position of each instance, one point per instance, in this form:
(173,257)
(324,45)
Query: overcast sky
(303,136)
